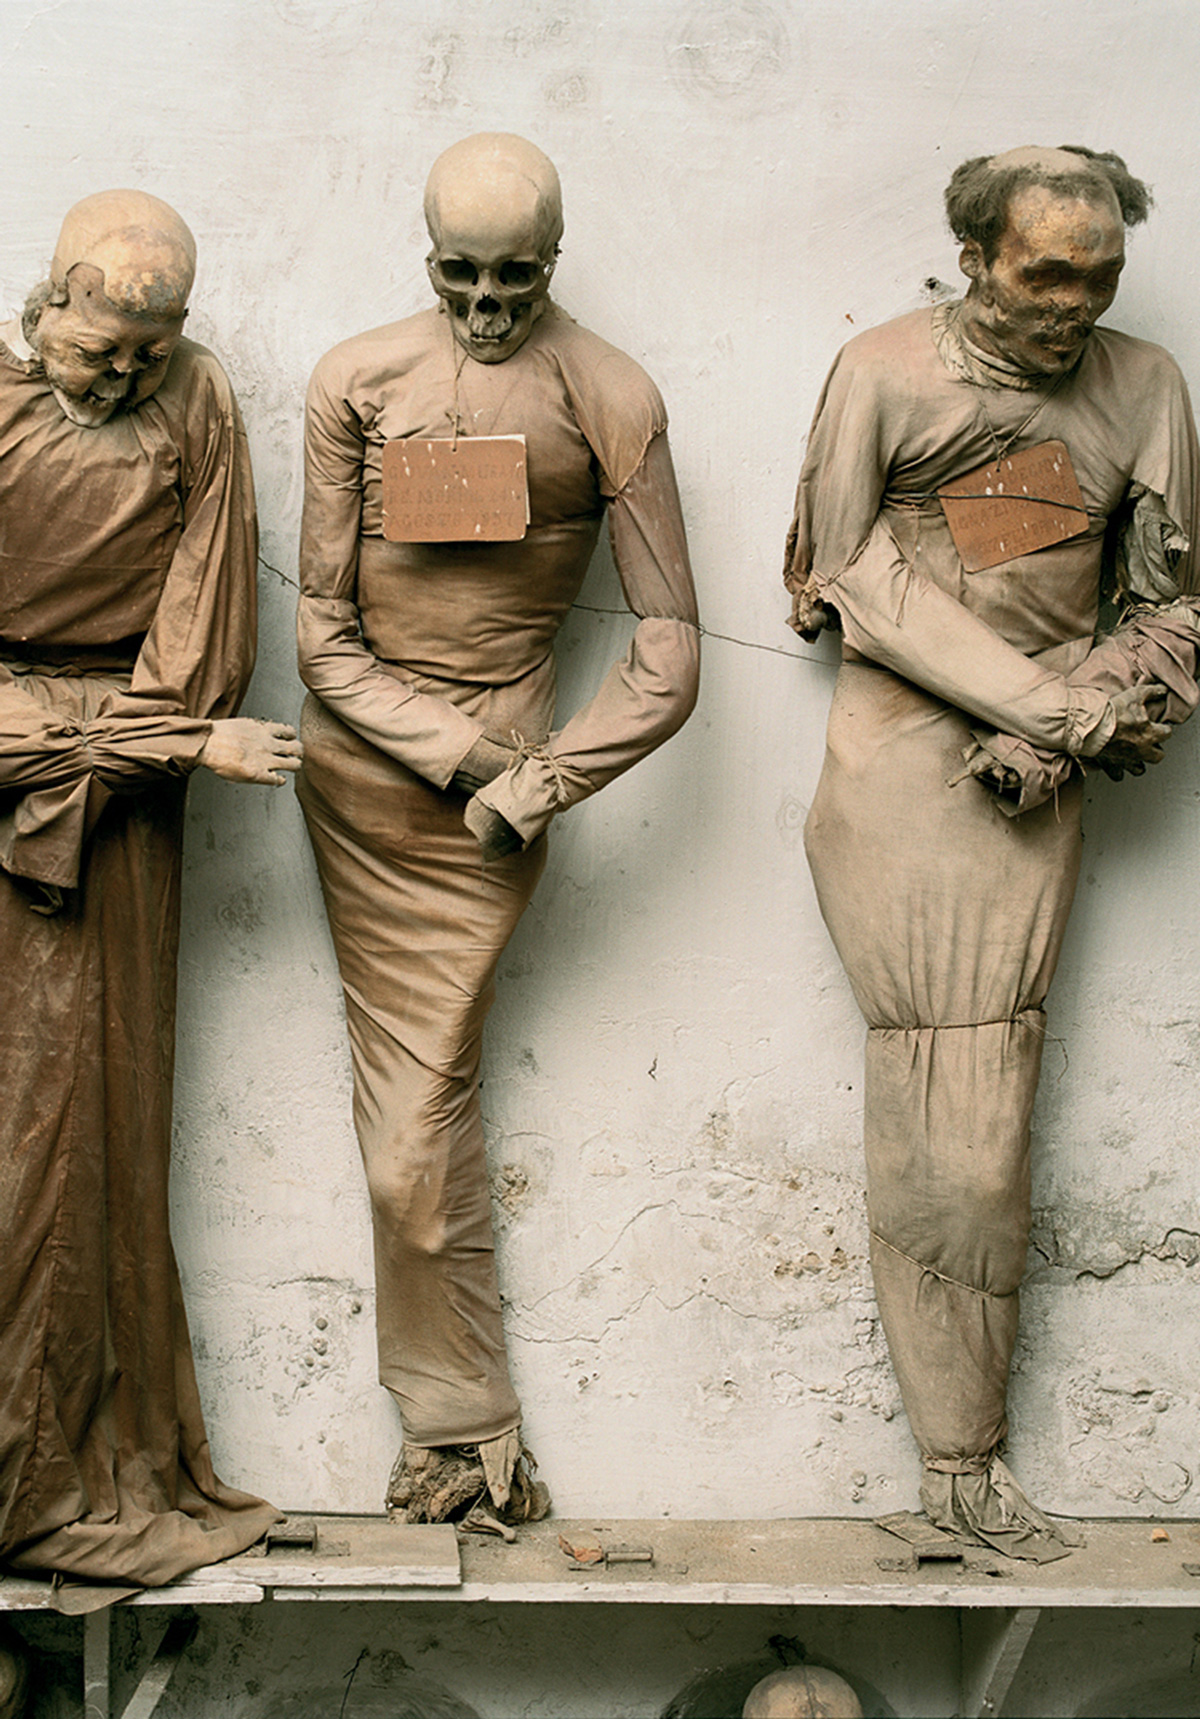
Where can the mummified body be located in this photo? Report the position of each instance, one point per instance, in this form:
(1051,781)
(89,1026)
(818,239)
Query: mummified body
(127,619)
(431,771)
(944,864)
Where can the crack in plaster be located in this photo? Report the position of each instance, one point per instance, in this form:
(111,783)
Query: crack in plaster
(561,1288)
(1177,1243)
(516,1308)
(36,18)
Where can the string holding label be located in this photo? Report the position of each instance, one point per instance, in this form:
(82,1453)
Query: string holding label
(1013,506)
(473,489)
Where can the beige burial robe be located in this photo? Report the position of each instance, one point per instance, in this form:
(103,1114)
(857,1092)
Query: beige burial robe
(949,916)
(127,618)
(412,652)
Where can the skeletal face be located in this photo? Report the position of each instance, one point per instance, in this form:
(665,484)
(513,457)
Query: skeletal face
(98,358)
(494,216)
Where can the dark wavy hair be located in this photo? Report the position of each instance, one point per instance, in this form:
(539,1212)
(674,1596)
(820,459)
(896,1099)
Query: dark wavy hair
(978,195)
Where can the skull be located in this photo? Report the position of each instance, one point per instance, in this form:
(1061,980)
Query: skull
(493,207)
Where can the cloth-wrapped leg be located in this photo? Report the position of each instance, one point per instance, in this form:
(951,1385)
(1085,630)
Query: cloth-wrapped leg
(419,924)
(947,1147)
(949,919)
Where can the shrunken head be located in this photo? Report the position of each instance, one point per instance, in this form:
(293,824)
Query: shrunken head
(106,322)
(1043,246)
(493,206)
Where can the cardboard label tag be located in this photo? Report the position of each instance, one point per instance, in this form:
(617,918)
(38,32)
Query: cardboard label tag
(474,490)
(1013,506)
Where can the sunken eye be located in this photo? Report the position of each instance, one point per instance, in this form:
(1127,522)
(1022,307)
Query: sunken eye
(517,274)
(458,271)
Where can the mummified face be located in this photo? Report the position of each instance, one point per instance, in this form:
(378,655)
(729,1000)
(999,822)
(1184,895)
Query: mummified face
(494,212)
(98,358)
(107,321)
(1055,273)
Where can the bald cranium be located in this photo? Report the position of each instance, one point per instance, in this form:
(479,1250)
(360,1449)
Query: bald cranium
(493,206)
(802,1692)
(1040,158)
(105,324)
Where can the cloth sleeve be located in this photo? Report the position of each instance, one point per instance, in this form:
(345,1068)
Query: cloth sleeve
(1155,645)
(426,733)
(193,665)
(840,553)
(842,483)
(647,696)
(894,616)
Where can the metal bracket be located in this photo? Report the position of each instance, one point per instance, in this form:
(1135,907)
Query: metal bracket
(595,1558)
(292,1533)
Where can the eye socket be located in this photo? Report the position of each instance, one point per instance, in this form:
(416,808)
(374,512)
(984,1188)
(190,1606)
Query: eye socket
(518,274)
(458,271)
(1042,279)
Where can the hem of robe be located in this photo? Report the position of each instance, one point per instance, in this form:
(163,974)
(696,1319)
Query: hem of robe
(146,1549)
(991,1507)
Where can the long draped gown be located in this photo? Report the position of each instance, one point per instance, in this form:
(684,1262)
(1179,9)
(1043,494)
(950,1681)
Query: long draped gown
(412,652)
(127,619)
(949,916)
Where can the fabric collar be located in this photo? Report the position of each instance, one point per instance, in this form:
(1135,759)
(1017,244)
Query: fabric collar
(971,363)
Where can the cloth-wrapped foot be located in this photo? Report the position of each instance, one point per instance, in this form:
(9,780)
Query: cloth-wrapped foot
(448,1483)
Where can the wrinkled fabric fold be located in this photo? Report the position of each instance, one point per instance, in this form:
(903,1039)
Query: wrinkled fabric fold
(989,1505)
(63,769)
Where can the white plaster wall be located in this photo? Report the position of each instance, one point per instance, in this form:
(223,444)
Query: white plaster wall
(673,1071)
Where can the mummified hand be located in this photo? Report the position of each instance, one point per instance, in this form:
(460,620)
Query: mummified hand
(1138,737)
(244,749)
(486,760)
(495,835)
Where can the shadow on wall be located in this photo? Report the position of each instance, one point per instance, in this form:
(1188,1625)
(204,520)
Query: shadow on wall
(722,1694)
(1160,1698)
(406,1697)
